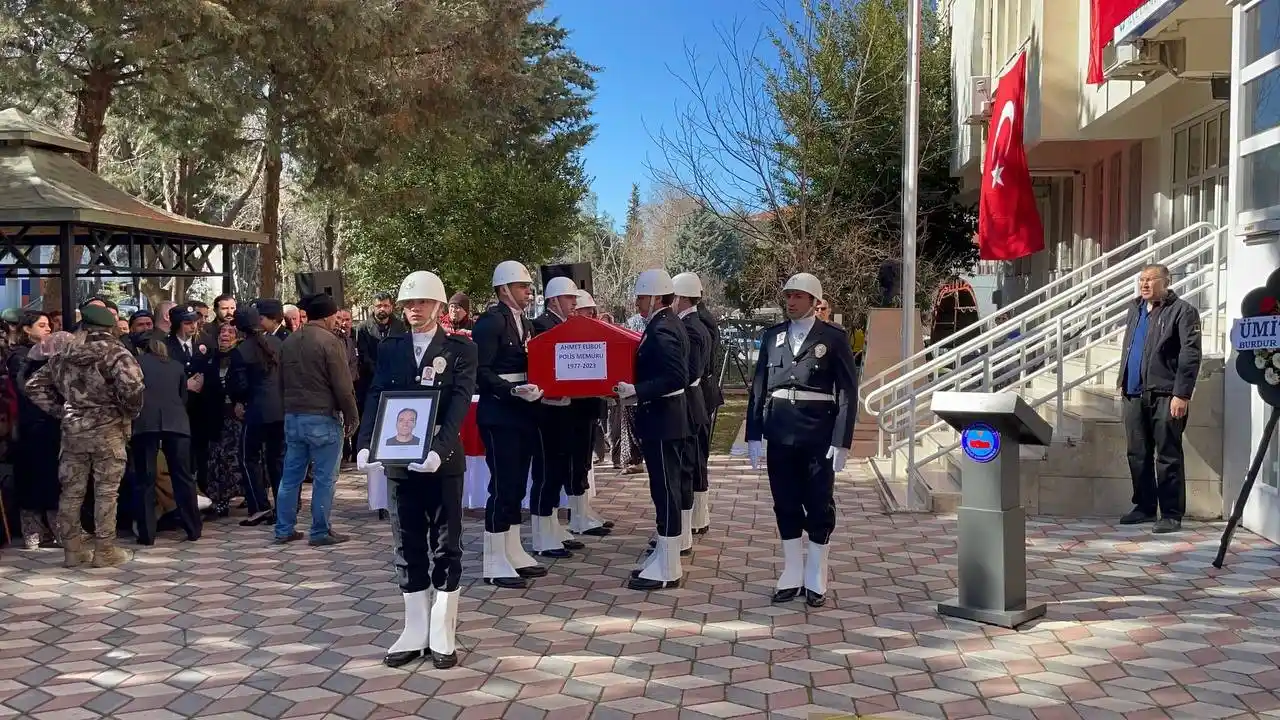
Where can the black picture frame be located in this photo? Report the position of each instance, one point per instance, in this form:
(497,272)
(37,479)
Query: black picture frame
(425,403)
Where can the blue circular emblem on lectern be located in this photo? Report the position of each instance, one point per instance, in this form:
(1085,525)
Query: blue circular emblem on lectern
(980,442)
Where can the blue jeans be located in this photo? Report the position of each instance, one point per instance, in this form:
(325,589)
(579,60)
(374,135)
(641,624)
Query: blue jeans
(309,439)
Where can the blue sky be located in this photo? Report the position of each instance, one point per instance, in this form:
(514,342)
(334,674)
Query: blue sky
(640,45)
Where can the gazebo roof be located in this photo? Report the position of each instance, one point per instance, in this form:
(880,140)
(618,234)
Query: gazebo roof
(41,184)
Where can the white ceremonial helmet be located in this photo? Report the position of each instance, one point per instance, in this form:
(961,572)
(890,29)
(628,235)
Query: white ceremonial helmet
(654,282)
(804,282)
(687,285)
(585,300)
(422,285)
(510,271)
(558,286)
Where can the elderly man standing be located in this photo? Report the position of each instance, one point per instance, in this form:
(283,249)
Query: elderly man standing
(1161,361)
(319,411)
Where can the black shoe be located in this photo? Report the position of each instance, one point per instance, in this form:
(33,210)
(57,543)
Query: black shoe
(507,583)
(533,571)
(607,525)
(573,545)
(561,554)
(653,543)
(813,599)
(645,584)
(596,532)
(295,535)
(382,515)
(786,594)
(398,659)
(1137,517)
(1167,525)
(442,661)
(701,531)
(686,553)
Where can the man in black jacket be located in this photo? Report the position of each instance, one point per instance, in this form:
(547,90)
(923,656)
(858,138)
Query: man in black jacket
(376,328)
(188,347)
(708,385)
(1160,362)
(662,422)
(693,476)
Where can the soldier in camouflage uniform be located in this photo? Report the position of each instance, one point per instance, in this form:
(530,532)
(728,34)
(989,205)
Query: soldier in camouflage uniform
(95,387)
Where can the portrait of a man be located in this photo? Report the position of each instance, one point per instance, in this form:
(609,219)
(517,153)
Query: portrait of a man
(403,426)
(406,421)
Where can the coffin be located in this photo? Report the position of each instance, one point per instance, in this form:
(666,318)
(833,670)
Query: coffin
(582,357)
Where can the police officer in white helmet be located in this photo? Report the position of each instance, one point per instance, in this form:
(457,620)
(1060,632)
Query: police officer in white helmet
(583,519)
(662,422)
(695,483)
(425,496)
(508,419)
(804,400)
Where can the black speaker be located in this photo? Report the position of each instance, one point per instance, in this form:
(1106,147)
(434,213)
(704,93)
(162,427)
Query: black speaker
(1220,87)
(579,273)
(327,281)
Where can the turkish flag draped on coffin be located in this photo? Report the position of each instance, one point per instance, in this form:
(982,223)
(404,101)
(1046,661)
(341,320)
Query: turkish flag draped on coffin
(1104,16)
(1008,219)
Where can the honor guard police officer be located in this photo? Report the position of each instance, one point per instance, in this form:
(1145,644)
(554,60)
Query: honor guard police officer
(583,520)
(426,497)
(508,420)
(701,402)
(553,465)
(804,399)
(662,422)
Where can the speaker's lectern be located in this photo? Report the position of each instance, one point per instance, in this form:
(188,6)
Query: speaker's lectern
(992,553)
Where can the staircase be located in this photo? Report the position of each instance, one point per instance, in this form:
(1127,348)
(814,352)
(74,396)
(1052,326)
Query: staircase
(1060,351)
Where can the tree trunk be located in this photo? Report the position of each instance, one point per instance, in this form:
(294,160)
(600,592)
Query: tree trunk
(330,238)
(270,255)
(92,102)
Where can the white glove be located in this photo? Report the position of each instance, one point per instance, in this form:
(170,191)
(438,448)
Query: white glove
(528,391)
(363,464)
(837,456)
(755,451)
(556,402)
(430,465)
(625,390)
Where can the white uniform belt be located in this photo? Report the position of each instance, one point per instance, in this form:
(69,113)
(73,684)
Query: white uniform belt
(514,377)
(696,383)
(673,394)
(792,394)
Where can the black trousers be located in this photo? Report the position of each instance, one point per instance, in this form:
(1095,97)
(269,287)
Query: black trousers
(553,462)
(509,452)
(426,531)
(689,457)
(177,453)
(1156,461)
(199,454)
(702,448)
(664,460)
(261,462)
(582,438)
(802,483)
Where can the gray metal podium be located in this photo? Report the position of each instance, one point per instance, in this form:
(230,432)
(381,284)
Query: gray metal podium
(992,552)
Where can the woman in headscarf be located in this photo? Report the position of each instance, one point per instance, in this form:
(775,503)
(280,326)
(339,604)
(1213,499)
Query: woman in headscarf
(225,473)
(255,386)
(39,436)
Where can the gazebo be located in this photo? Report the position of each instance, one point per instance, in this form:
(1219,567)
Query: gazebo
(48,200)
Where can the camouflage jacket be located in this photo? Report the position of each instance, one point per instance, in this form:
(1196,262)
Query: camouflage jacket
(94,386)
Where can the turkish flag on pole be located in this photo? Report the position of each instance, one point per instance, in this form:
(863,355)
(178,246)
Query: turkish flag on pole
(1104,16)
(1008,219)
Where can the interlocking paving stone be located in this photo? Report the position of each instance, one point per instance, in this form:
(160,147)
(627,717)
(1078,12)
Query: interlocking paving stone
(233,627)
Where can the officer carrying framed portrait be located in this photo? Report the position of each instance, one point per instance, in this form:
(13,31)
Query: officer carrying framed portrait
(404,426)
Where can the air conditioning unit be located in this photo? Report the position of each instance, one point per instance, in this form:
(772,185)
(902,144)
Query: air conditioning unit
(979,110)
(1138,60)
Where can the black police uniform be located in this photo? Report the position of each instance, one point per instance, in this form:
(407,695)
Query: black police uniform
(203,417)
(712,396)
(553,462)
(694,476)
(662,414)
(803,404)
(426,508)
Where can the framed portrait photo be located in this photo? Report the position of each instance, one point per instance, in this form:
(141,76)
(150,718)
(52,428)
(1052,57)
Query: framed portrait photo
(402,430)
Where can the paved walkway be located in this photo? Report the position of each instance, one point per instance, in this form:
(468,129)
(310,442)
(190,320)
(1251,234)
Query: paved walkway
(232,627)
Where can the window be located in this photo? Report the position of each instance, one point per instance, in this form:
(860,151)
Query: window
(1262,30)
(1260,178)
(1260,113)
(1262,98)
(1135,191)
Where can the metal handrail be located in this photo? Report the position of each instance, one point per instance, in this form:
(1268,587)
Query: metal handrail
(1120,310)
(1041,311)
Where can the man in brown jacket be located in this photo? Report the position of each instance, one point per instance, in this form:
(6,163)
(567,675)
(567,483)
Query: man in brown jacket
(319,411)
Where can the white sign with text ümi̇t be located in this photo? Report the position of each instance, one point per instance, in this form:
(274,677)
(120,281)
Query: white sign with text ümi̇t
(581,361)
(1256,333)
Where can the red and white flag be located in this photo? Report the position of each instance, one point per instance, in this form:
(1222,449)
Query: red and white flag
(1008,220)
(1104,16)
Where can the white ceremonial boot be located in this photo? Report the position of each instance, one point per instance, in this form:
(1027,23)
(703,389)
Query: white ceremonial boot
(412,643)
(583,521)
(815,575)
(791,580)
(663,570)
(444,626)
(701,512)
(686,530)
(546,537)
(520,559)
(498,570)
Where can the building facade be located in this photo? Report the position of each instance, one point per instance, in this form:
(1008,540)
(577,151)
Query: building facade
(1184,129)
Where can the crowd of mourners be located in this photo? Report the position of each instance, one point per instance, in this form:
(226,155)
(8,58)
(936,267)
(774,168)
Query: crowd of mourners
(208,440)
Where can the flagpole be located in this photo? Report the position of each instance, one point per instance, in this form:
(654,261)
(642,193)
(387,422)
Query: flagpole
(910,180)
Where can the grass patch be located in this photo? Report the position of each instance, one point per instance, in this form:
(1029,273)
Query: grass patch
(729,420)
